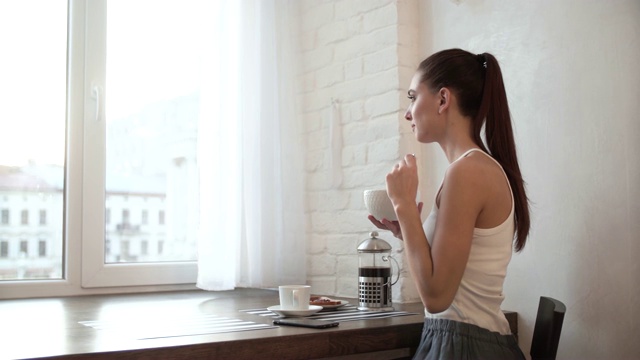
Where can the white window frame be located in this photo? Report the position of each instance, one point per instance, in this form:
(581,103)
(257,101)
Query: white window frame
(85,271)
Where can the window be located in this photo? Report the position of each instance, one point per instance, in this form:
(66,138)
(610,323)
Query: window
(125,217)
(124,251)
(42,248)
(24,248)
(5,217)
(33,136)
(144,247)
(122,101)
(43,217)
(24,217)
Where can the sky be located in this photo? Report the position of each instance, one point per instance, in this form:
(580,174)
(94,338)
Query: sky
(32,81)
(146,45)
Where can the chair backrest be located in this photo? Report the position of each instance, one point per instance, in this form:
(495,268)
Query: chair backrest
(546,334)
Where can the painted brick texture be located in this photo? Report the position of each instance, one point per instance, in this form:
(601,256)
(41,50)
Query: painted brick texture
(360,54)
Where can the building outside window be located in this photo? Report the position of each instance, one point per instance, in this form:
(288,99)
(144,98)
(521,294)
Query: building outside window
(42,248)
(43,217)
(144,247)
(4,220)
(107,247)
(24,217)
(125,217)
(24,248)
(145,217)
(125,250)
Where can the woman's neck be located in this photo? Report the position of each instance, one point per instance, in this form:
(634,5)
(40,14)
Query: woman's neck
(454,153)
(458,139)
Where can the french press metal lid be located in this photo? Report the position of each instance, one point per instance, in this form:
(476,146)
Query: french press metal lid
(373,244)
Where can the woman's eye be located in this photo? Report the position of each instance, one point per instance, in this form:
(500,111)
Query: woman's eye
(411,97)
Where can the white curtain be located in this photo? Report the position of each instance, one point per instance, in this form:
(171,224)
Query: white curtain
(251,221)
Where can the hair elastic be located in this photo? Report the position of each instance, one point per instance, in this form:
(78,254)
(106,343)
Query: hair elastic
(482,60)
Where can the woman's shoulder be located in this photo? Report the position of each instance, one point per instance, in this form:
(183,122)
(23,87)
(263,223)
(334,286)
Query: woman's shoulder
(475,172)
(473,163)
(465,192)
(478,182)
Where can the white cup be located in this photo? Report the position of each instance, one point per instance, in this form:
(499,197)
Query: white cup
(294,297)
(379,205)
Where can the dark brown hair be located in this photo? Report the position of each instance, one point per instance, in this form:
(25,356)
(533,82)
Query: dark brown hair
(476,81)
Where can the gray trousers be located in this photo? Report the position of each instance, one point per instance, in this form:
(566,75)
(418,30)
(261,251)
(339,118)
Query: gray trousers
(448,339)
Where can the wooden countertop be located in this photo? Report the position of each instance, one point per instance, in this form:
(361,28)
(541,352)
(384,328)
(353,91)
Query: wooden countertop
(49,327)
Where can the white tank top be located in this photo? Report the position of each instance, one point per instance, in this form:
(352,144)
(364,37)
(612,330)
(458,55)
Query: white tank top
(480,296)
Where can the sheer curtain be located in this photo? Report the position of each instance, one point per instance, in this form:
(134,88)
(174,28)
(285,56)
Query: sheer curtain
(251,220)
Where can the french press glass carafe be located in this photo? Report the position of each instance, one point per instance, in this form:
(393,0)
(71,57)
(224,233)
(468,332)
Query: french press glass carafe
(374,274)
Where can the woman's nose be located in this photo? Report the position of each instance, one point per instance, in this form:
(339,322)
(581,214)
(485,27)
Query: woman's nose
(407,114)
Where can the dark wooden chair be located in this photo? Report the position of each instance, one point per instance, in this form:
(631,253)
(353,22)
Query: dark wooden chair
(546,333)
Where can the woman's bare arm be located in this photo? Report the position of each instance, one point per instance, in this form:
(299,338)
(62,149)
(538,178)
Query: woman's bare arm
(438,270)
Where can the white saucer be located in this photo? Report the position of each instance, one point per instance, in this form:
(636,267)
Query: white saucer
(284,312)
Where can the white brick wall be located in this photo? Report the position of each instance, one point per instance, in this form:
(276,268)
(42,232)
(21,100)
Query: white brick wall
(361,53)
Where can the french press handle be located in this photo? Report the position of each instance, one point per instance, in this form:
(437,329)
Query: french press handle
(386,258)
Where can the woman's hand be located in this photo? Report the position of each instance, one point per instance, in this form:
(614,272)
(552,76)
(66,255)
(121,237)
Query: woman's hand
(402,185)
(402,181)
(392,226)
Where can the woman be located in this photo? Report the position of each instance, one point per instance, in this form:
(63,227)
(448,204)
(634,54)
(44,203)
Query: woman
(459,256)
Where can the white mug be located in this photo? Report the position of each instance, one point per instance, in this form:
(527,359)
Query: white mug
(294,297)
(379,205)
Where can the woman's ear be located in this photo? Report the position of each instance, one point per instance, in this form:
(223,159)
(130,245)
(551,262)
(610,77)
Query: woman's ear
(444,96)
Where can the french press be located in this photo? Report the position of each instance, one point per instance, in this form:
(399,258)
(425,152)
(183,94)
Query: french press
(374,274)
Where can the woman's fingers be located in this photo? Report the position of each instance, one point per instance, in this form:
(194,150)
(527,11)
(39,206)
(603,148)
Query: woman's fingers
(380,224)
(410,159)
(376,222)
(385,224)
(402,180)
(394,227)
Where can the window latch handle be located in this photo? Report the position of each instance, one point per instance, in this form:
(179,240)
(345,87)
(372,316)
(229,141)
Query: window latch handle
(96,92)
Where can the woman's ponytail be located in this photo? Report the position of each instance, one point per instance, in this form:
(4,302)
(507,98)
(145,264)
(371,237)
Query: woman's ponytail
(494,110)
(478,85)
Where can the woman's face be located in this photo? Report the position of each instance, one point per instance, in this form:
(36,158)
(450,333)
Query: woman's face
(423,111)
